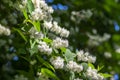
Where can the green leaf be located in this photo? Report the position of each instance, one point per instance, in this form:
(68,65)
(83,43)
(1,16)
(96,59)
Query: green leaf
(91,65)
(47,40)
(21,34)
(30,6)
(32,44)
(56,51)
(69,56)
(85,65)
(49,73)
(37,25)
(105,75)
(45,63)
(72,75)
(25,13)
(33,50)
(100,67)
(63,49)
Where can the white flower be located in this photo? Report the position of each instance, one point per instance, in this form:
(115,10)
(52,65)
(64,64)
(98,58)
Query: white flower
(95,40)
(107,55)
(42,10)
(43,47)
(91,59)
(78,79)
(81,56)
(37,14)
(36,3)
(55,28)
(64,33)
(35,34)
(73,66)
(92,73)
(47,24)
(117,50)
(57,62)
(59,43)
(4,30)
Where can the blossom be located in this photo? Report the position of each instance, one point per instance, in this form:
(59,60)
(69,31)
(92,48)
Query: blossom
(80,15)
(78,79)
(4,30)
(57,62)
(95,40)
(23,5)
(73,66)
(43,47)
(42,10)
(63,32)
(59,43)
(92,73)
(81,56)
(47,24)
(35,34)
(107,55)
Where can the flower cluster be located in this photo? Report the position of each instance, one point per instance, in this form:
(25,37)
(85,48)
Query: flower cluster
(107,54)
(42,10)
(59,43)
(55,28)
(57,62)
(4,31)
(73,66)
(92,73)
(78,79)
(35,34)
(77,16)
(43,47)
(42,13)
(81,56)
(95,39)
(23,4)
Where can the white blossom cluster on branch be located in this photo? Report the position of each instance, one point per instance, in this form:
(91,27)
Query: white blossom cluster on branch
(42,13)
(81,56)
(73,66)
(92,73)
(59,43)
(57,62)
(35,34)
(95,39)
(55,28)
(42,10)
(43,47)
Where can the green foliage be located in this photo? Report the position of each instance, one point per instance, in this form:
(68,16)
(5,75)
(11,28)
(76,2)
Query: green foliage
(45,63)
(106,75)
(21,34)
(91,65)
(25,13)
(49,73)
(69,56)
(30,6)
